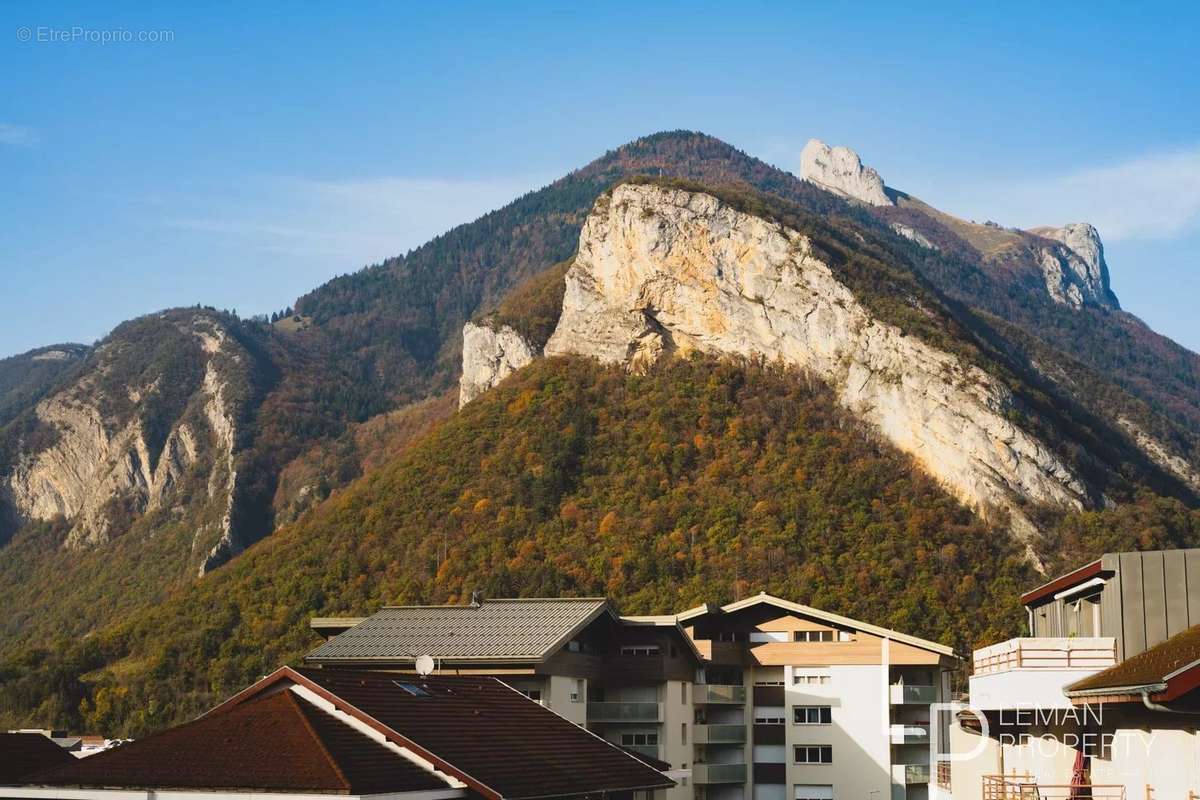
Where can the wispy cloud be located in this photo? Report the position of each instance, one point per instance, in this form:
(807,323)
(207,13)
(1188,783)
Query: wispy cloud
(356,221)
(17,135)
(1156,196)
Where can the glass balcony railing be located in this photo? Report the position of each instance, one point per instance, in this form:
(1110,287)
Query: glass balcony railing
(624,712)
(909,774)
(718,773)
(720,734)
(719,693)
(907,693)
(910,734)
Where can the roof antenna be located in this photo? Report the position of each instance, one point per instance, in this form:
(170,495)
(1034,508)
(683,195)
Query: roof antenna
(476,598)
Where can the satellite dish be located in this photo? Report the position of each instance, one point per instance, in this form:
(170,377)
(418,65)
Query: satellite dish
(424,665)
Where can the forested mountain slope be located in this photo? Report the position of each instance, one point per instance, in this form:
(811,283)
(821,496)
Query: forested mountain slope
(699,477)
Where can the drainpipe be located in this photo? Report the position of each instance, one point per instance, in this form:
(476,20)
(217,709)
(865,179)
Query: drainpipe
(1153,706)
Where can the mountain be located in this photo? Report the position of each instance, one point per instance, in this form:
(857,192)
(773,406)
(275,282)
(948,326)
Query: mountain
(25,378)
(815,384)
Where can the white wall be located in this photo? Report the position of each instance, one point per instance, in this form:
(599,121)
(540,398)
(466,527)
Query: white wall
(861,768)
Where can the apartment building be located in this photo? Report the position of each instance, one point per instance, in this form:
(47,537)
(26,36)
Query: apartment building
(1101,700)
(761,699)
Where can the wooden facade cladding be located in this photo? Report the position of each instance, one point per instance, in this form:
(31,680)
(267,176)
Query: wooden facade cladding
(865,649)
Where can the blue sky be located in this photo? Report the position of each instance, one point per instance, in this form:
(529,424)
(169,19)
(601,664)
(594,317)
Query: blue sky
(260,151)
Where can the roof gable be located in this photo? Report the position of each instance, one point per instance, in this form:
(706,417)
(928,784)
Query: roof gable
(836,619)
(275,742)
(476,729)
(22,754)
(492,631)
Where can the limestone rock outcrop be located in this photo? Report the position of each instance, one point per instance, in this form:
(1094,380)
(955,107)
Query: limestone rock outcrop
(489,356)
(661,270)
(1076,273)
(841,171)
(99,471)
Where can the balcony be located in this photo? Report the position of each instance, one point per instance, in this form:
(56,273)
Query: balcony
(651,750)
(624,712)
(718,773)
(1018,787)
(910,734)
(905,694)
(713,693)
(910,774)
(1090,653)
(720,734)
(1031,673)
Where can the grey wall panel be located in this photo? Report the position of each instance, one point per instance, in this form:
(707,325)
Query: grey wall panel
(1154,598)
(1192,557)
(1111,623)
(1175,577)
(1133,614)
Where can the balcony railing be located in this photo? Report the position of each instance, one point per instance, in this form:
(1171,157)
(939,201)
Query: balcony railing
(907,693)
(1086,653)
(720,734)
(712,693)
(910,734)
(909,774)
(943,774)
(718,773)
(645,749)
(624,712)
(1024,787)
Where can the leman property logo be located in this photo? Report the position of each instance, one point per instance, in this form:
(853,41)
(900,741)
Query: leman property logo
(1045,731)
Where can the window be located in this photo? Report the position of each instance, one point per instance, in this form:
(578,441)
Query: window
(810,677)
(532,694)
(683,692)
(814,754)
(639,650)
(573,646)
(808,791)
(578,692)
(768,683)
(413,689)
(729,636)
(683,733)
(758,637)
(812,636)
(639,739)
(812,715)
(769,715)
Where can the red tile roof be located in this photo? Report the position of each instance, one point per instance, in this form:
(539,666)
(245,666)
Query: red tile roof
(494,739)
(1167,670)
(277,742)
(22,754)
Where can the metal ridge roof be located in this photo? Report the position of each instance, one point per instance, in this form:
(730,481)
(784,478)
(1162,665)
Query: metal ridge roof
(505,630)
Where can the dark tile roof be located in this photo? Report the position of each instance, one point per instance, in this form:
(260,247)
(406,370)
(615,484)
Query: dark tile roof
(493,738)
(495,629)
(23,754)
(1150,668)
(277,742)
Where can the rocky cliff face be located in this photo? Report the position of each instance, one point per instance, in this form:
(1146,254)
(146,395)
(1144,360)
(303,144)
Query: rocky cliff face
(489,356)
(1076,272)
(839,170)
(662,270)
(107,461)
